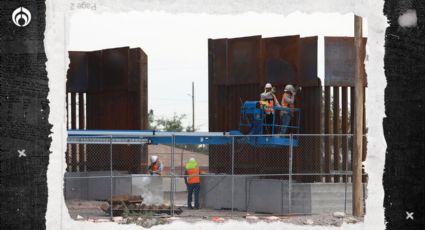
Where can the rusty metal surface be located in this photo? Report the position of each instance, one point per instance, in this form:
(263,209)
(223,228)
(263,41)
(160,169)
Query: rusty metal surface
(340,62)
(115,83)
(95,71)
(243,56)
(218,52)
(308,154)
(281,60)
(115,69)
(308,61)
(77,75)
(278,62)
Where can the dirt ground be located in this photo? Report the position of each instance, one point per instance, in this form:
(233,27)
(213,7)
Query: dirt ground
(90,211)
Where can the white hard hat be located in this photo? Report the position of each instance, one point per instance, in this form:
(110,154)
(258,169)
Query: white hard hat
(154,158)
(268,85)
(289,88)
(192,159)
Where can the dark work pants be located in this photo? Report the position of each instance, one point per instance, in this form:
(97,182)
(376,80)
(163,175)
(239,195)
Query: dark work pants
(193,188)
(268,122)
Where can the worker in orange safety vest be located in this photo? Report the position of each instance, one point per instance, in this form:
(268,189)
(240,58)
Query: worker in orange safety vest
(267,101)
(155,168)
(288,100)
(193,182)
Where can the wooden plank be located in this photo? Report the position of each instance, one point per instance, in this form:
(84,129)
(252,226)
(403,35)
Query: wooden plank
(358,122)
(327,132)
(344,128)
(337,157)
(364,177)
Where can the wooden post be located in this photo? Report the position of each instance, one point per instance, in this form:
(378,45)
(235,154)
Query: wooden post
(193,106)
(358,121)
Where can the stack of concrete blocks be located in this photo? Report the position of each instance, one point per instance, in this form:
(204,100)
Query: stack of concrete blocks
(253,194)
(96,185)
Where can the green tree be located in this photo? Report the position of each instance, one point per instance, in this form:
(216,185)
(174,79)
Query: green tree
(151,120)
(173,124)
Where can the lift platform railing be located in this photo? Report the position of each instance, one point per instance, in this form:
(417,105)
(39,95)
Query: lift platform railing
(254,118)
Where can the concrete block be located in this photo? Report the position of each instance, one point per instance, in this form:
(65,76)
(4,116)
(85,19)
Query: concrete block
(96,185)
(216,192)
(267,196)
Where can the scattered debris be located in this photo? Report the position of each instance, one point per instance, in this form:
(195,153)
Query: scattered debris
(124,205)
(217,219)
(309,222)
(350,220)
(339,214)
(118,219)
(80,217)
(102,220)
(250,217)
(272,218)
(173,218)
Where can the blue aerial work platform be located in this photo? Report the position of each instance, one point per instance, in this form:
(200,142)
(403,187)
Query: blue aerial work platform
(252,117)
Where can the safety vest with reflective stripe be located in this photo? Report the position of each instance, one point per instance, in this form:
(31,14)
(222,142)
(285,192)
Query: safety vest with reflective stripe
(191,178)
(155,166)
(285,103)
(268,106)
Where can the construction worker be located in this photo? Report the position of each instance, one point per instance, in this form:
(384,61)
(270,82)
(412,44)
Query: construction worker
(193,182)
(155,168)
(288,100)
(268,100)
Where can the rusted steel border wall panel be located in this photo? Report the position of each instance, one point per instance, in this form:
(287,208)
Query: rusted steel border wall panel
(308,154)
(243,58)
(339,61)
(281,60)
(115,69)
(218,52)
(77,74)
(116,91)
(308,61)
(225,97)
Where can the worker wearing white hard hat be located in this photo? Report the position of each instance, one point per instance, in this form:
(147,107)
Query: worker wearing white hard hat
(288,101)
(268,100)
(155,168)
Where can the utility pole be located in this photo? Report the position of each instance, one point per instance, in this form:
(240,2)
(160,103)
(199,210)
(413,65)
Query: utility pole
(358,119)
(193,106)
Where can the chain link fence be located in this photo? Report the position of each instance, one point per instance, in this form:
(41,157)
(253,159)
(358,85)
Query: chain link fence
(275,174)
